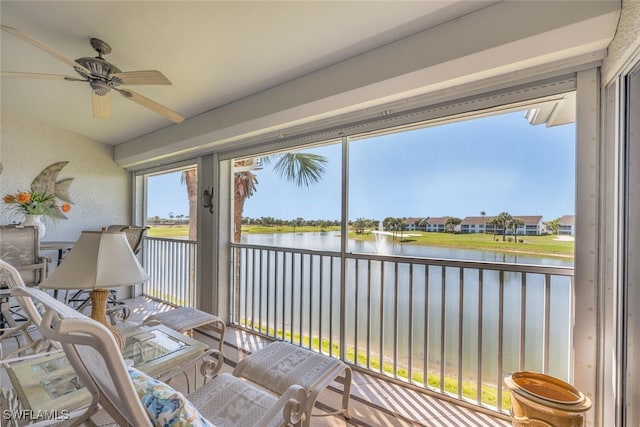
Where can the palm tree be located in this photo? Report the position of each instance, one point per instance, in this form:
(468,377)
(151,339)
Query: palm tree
(303,169)
(451,223)
(388,223)
(190,178)
(553,225)
(484,226)
(244,185)
(514,224)
(393,224)
(503,220)
(401,225)
(359,225)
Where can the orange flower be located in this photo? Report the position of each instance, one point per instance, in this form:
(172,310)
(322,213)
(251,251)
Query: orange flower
(66,207)
(33,203)
(23,197)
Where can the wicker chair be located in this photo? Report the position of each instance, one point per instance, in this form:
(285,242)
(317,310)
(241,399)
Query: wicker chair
(94,354)
(135,235)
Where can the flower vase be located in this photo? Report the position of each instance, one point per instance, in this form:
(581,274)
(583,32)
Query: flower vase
(36,221)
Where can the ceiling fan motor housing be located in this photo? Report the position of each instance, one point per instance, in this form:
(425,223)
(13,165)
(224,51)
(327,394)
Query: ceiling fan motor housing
(99,79)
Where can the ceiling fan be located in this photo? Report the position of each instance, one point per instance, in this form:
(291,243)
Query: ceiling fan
(102,77)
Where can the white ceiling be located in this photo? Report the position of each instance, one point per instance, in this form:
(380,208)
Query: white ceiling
(214,52)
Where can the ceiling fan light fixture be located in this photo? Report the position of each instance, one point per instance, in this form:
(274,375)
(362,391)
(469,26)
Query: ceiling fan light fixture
(99,87)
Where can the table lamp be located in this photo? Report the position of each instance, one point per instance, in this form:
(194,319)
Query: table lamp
(99,260)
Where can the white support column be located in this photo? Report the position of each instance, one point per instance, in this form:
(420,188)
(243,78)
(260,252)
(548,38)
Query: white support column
(224,202)
(207,286)
(588,237)
(610,259)
(139,216)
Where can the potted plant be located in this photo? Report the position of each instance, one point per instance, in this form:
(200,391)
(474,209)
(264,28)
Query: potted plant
(33,205)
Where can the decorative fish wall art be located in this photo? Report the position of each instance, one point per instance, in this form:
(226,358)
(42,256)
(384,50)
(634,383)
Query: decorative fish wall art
(47,182)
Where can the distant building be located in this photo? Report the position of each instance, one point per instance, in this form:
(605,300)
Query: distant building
(532,225)
(438,224)
(413,224)
(567,225)
(475,224)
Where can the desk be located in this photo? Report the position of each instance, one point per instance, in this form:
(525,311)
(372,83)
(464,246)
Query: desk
(49,383)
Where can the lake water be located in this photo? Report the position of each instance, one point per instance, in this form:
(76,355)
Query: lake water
(330,241)
(398,309)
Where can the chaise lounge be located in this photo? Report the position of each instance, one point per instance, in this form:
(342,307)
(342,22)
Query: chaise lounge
(133,399)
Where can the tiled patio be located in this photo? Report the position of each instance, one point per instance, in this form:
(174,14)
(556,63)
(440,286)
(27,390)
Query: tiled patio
(374,401)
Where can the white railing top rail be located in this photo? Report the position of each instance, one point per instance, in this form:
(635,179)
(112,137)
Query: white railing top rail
(169,239)
(482,265)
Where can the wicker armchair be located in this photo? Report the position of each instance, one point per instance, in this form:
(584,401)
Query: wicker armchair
(135,235)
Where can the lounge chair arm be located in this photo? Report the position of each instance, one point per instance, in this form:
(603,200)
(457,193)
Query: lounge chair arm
(290,406)
(211,363)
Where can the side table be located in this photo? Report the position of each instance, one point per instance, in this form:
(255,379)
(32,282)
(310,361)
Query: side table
(48,384)
(185,319)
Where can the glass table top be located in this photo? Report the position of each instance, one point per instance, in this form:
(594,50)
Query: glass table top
(49,381)
(149,345)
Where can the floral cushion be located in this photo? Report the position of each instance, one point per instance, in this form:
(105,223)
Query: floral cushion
(165,406)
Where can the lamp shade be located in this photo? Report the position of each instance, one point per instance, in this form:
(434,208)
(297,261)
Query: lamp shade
(97,260)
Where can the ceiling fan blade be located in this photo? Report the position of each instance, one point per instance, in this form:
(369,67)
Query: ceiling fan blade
(147,77)
(21,75)
(37,43)
(101,106)
(150,104)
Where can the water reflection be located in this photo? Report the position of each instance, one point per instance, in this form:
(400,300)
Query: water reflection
(417,312)
(330,241)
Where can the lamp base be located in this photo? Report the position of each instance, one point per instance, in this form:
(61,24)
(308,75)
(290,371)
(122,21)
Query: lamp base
(99,313)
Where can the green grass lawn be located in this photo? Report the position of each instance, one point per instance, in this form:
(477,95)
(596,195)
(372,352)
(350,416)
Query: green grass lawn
(489,394)
(532,245)
(546,246)
(168,231)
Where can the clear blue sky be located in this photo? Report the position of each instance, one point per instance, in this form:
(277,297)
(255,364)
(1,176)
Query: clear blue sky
(492,164)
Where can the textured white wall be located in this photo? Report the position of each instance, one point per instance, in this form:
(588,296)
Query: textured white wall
(100,191)
(625,46)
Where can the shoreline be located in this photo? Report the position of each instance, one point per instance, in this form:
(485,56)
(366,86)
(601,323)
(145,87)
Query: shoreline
(485,245)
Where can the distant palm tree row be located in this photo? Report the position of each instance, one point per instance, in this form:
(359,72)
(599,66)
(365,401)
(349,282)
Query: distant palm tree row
(303,169)
(268,221)
(170,219)
(505,222)
(501,223)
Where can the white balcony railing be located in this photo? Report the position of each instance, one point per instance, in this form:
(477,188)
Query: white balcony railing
(172,269)
(449,327)
(445,326)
